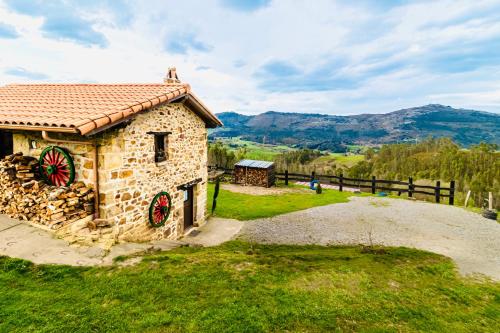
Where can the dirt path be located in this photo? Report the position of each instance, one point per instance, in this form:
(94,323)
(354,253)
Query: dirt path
(471,240)
(258,190)
(215,232)
(332,187)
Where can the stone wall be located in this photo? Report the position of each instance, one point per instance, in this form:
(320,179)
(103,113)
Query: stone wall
(82,154)
(129,177)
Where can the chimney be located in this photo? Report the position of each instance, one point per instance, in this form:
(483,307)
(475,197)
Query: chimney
(171,76)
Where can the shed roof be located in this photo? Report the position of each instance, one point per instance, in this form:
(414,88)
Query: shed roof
(254,164)
(88,108)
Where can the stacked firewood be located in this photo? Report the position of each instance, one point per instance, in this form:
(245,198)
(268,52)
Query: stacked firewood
(17,166)
(23,195)
(253,176)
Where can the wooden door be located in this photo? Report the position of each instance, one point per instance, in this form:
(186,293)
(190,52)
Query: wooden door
(188,208)
(6,145)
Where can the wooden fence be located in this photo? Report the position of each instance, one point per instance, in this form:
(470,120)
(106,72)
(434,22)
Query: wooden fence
(373,184)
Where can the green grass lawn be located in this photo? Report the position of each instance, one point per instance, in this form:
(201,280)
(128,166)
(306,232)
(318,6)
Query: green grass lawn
(247,207)
(238,287)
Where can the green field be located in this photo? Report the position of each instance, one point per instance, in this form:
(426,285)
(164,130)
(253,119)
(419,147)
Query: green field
(255,151)
(239,287)
(338,159)
(268,152)
(247,207)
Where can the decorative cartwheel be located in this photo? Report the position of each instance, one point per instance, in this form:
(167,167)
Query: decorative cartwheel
(56,166)
(159,210)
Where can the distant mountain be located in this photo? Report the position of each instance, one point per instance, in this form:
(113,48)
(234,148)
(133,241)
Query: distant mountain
(320,131)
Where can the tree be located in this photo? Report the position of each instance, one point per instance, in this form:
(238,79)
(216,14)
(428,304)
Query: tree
(221,156)
(476,169)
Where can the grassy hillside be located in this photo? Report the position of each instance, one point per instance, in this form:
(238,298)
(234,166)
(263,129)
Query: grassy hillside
(253,150)
(338,159)
(240,148)
(476,169)
(240,287)
(334,133)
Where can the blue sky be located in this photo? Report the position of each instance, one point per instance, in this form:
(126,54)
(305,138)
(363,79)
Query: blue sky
(322,56)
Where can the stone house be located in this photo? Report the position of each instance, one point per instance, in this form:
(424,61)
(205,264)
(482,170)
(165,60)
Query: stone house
(130,142)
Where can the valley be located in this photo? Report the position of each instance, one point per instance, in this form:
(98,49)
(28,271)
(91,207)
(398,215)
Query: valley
(337,133)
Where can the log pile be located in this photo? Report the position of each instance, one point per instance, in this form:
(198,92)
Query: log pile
(24,196)
(254,176)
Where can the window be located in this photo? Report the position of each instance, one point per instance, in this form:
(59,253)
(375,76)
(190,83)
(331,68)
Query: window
(161,145)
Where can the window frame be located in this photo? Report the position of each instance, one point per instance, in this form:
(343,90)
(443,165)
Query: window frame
(160,139)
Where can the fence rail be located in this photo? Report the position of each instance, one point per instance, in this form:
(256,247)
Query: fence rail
(374,184)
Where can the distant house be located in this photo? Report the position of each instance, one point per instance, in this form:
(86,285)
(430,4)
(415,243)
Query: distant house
(143,148)
(257,173)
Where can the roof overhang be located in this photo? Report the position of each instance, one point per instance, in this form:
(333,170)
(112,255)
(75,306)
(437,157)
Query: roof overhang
(107,121)
(193,103)
(188,99)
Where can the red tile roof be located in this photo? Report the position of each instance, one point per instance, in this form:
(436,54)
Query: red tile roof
(85,108)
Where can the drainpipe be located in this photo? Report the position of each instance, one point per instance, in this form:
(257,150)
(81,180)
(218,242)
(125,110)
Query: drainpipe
(46,137)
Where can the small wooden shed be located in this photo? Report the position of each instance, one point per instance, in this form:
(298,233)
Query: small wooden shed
(257,173)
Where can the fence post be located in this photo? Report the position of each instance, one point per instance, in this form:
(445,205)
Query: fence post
(340,182)
(437,190)
(410,187)
(286,177)
(452,193)
(373,184)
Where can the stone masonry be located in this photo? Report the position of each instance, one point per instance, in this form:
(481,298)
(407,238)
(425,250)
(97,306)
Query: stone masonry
(82,154)
(130,177)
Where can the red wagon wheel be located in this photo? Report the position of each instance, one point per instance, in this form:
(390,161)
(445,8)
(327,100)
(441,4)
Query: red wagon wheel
(56,166)
(159,210)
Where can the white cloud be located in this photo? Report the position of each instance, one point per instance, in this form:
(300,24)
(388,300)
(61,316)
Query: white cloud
(399,56)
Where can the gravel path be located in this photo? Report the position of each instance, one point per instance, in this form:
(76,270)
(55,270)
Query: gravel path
(259,190)
(468,238)
(332,187)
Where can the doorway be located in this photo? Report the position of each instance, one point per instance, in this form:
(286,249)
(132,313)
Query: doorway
(188,208)
(6,144)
